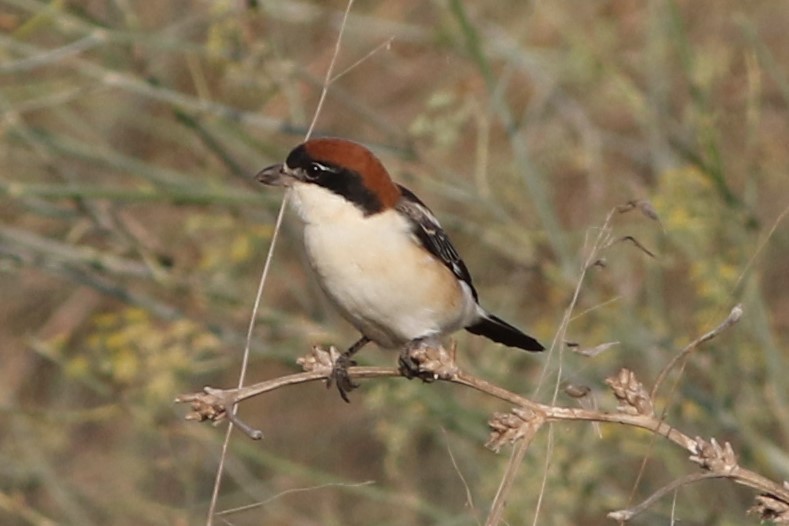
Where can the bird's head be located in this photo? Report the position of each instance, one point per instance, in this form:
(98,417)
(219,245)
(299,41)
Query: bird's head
(343,167)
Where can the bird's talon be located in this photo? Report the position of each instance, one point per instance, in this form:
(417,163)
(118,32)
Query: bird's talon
(339,376)
(407,366)
(411,362)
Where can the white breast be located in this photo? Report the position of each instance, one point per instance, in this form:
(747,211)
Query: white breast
(374,271)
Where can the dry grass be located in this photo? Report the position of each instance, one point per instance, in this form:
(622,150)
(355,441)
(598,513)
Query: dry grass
(132,236)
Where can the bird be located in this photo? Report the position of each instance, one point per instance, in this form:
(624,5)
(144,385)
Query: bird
(379,254)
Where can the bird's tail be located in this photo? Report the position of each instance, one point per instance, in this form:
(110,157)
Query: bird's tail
(498,330)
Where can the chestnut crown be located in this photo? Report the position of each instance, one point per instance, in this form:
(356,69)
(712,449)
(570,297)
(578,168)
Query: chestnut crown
(348,169)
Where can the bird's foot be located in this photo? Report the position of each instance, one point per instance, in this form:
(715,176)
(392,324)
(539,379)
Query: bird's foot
(340,377)
(427,359)
(406,364)
(332,364)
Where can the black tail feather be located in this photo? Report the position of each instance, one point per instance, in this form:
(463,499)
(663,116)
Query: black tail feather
(498,330)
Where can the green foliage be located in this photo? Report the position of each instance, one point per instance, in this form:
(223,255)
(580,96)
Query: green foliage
(133,235)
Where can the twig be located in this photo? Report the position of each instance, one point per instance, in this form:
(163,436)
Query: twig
(505,486)
(760,247)
(231,410)
(600,244)
(629,513)
(327,80)
(291,492)
(522,423)
(469,496)
(386,44)
(733,317)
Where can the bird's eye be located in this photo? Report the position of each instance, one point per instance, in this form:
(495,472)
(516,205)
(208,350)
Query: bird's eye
(315,170)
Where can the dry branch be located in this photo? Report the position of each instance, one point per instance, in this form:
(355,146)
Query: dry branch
(635,409)
(636,406)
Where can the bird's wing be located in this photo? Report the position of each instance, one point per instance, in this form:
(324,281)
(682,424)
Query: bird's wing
(430,235)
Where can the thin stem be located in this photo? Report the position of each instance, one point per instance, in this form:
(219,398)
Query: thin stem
(261,285)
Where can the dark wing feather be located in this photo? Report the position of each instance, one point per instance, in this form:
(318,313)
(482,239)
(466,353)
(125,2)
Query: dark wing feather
(428,231)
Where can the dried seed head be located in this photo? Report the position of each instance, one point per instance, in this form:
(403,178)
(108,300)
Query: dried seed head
(713,456)
(319,360)
(632,396)
(771,508)
(508,428)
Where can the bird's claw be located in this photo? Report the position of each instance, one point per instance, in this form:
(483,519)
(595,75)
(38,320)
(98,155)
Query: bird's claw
(428,360)
(407,366)
(339,375)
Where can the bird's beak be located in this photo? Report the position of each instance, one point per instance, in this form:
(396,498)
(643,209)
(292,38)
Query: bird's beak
(275,175)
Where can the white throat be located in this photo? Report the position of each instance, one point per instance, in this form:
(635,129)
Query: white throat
(319,206)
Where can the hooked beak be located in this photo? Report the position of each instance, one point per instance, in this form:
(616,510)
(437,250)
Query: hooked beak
(275,175)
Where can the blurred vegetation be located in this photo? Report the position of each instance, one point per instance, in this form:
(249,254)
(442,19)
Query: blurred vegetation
(133,235)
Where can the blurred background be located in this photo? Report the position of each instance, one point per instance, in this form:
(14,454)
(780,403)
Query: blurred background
(133,236)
